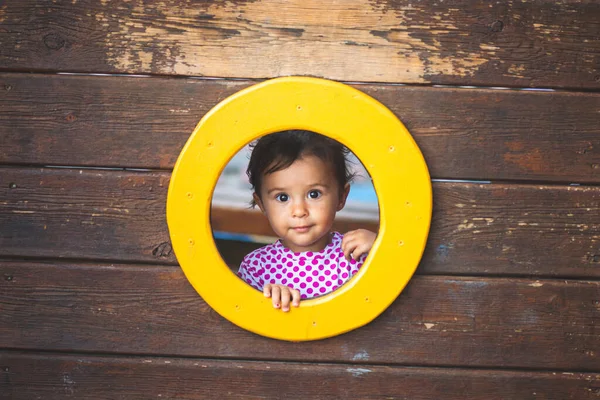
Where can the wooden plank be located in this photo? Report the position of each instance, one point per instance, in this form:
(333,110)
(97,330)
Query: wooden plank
(84,214)
(29,376)
(144,123)
(436,321)
(541,43)
(477,229)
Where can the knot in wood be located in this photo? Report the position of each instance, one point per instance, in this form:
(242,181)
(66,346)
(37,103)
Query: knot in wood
(163,250)
(497,26)
(54,41)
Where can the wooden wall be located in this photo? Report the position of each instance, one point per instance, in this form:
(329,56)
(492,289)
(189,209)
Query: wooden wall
(506,302)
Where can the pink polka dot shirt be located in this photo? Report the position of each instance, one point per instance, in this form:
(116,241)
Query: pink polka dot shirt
(312,273)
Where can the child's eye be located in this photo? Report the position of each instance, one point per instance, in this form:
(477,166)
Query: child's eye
(282,197)
(314,194)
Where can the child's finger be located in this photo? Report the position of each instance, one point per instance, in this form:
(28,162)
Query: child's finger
(345,242)
(267,290)
(295,298)
(276,296)
(360,250)
(349,247)
(349,252)
(285,299)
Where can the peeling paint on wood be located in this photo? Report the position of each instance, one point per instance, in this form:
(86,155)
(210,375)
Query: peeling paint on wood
(144,123)
(356,372)
(538,43)
(361,356)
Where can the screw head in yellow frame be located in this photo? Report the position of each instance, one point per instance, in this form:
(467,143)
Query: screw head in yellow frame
(373,133)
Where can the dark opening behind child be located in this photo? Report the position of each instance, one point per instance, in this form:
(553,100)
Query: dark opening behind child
(300,180)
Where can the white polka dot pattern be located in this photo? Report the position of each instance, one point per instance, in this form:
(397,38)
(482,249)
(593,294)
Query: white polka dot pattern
(312,273)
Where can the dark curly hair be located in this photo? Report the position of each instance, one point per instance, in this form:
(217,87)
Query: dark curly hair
(277,151)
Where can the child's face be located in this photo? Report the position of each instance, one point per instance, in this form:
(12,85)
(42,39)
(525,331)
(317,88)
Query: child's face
(300,203)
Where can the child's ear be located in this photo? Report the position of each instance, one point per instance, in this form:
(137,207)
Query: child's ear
(258,202)
(343,196)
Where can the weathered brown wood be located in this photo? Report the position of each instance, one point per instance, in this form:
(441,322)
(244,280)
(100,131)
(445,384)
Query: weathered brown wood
(442,321)
(540,43)
(477,229)
(237,220)
(84,213)
(27,376)
(144,123)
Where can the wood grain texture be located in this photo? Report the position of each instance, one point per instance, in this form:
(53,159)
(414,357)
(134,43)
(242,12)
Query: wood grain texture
(144,123)
(477,229)
(28,376)
(441,321)
(540,43)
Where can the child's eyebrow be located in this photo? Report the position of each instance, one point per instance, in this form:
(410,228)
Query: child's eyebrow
(275,189)
(312,185)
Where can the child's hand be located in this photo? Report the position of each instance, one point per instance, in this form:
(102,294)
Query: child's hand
(356,243)
(281,296)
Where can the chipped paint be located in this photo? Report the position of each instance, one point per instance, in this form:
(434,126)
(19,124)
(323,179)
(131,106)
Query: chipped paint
(361,356)
(428,325)
(517,70)
(464,225)
(487,220)
(443,251)
(3,9)
(68,383)
(356,372)
(394,46)
(474,223)
(488,47)
(536,284)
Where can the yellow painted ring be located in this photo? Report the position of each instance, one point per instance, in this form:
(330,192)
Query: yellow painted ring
(368,129)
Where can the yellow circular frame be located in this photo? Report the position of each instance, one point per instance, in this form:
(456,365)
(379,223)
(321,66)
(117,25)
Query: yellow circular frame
(370,131)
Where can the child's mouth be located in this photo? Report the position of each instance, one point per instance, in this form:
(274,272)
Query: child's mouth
(301,229)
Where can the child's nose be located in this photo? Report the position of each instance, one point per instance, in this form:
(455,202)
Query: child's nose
(299,209)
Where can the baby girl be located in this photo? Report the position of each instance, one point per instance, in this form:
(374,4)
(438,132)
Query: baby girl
(300,180)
